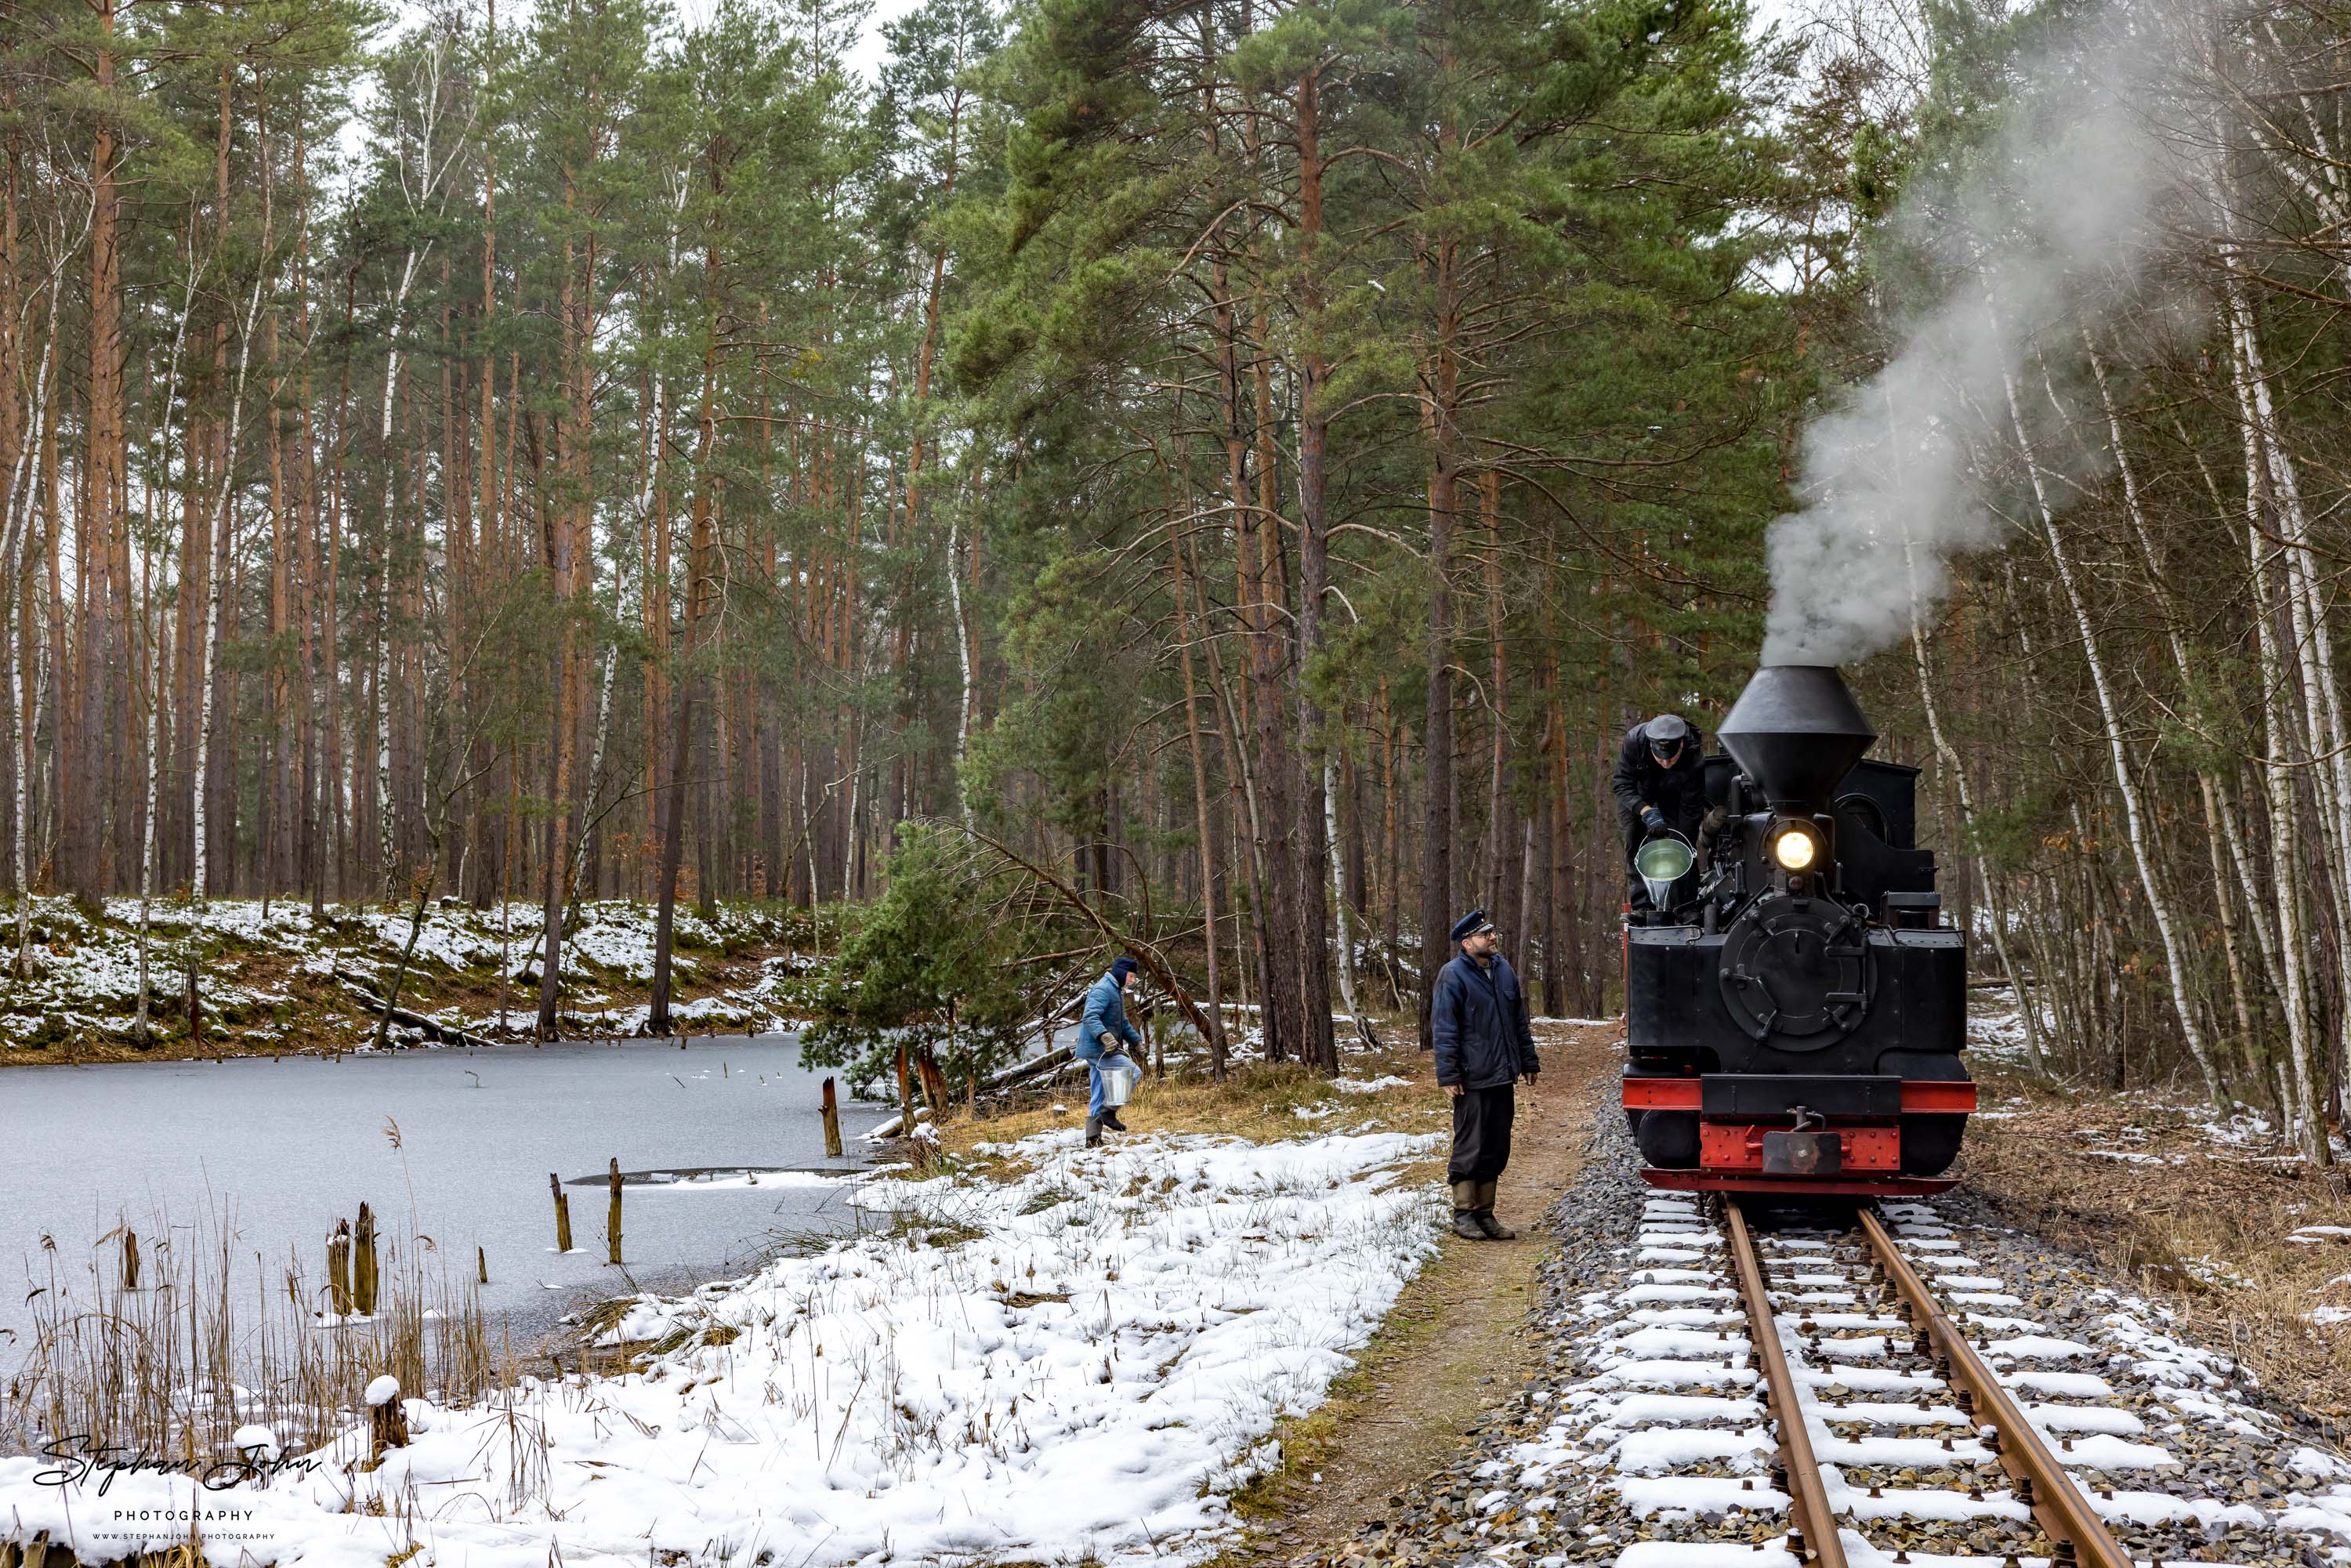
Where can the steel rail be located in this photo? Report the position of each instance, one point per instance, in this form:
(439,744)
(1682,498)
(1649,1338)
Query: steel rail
(2043,1484)
(1813,1526)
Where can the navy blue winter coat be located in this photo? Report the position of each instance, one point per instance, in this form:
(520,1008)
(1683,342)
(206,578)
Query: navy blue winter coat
(1105,1014)
(1478,1019)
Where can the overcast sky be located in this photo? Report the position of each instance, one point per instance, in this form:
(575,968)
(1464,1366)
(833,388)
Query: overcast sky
(866,58)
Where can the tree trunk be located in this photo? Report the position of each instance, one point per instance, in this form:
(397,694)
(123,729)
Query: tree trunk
(1436,912)
(697,569)
(85,740)
(564,535)
(1317,834)
(1204,820)
(2158,905)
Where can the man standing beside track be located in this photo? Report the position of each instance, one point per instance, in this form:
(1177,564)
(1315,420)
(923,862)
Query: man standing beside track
(1477,1018)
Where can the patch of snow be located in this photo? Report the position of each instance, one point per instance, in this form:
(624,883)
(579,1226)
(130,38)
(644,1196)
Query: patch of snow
(739,1181)
(2309,1461)
(1087,1382)
(1370,1085)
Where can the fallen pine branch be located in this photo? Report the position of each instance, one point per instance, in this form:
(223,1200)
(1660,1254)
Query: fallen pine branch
(447,1033)
(1144,953)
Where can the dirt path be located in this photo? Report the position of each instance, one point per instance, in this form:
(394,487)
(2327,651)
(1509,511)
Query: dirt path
(1456,1340)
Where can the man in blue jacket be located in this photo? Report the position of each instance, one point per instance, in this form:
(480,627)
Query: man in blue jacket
(1105,1015)
(1484,1046)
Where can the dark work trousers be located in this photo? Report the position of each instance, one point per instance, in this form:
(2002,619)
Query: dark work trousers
(1481,1134)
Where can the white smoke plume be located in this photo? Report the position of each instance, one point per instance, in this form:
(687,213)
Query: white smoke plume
(2052,227)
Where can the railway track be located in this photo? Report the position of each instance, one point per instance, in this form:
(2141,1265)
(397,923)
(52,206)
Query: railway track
(1895,1290)
(1857,1390)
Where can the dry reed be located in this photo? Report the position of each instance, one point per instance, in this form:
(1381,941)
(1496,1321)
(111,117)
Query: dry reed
(169,1361)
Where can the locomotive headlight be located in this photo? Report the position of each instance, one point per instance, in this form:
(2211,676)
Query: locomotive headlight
(1794,850)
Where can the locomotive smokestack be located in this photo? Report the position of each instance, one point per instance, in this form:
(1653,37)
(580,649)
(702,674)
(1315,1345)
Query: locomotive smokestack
(1795,730)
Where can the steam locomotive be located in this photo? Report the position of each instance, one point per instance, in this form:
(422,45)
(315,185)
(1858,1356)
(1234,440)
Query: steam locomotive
(1795,1011)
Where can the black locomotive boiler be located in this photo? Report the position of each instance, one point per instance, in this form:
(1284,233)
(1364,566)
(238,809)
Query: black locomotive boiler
(1795,1010)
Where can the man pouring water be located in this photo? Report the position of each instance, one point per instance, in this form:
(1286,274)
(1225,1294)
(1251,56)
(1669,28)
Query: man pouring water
(1102,1031)
(1660,789)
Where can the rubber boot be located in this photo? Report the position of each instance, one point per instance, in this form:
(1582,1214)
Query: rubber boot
(1093,1132)
(1465,1221)
(1110,1119)
(1482,1212)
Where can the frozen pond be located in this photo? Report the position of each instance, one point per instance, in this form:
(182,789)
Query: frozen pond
(282,1149)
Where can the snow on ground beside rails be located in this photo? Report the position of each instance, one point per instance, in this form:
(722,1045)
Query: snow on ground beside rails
(1996,1032)
(1655,1436)
(1082,1362)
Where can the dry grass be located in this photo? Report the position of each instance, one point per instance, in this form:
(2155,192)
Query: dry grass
(1257,1102)
(205,1342)
(2196,1225)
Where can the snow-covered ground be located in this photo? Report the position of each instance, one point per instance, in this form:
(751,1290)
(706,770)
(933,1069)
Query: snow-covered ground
(253,960)
(1080,1363)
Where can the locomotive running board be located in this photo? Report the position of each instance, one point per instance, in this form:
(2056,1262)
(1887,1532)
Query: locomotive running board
(1920,1096)
(1887,1186)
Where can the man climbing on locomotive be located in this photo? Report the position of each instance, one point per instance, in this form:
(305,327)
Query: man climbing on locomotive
(1659,787)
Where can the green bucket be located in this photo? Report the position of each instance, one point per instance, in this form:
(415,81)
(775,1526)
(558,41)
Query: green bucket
(1663,863)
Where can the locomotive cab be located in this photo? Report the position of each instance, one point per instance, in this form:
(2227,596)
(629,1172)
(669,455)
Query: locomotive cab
(1796,1008)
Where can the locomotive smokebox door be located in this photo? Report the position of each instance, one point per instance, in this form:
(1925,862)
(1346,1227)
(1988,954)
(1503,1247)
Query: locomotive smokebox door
(1803,1153)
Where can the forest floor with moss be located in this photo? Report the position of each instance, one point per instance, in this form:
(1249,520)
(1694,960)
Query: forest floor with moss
(272,980)
(2213,1216)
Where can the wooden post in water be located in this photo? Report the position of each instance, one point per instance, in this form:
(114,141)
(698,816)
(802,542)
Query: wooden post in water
(482,1265)
(130,1258)
(832,1122)
(339,1269)
(363,1263)
(562,1213)
(612,1215)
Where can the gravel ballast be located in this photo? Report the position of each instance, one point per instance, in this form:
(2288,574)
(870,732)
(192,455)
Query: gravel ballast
(1640,1441)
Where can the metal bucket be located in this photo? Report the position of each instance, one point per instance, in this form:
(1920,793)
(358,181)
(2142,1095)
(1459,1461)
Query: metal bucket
(1662,863)
(1118,1084)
